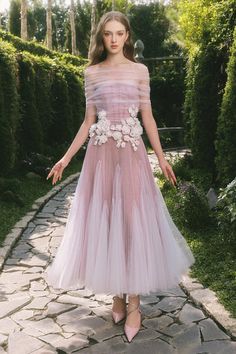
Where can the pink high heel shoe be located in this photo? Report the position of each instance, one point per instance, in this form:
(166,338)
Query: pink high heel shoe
(130,332)
(118,316)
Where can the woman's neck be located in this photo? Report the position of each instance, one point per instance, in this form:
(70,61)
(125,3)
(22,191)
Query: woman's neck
(114,60)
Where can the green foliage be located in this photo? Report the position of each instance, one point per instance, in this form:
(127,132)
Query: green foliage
(208,27)
(226,129)
(30,132)
(192,206)
(61,129)
(12,184)
(214,250)
(150,24)
(205,100)
(226,212)
(14,17)
(167,88)
(40,50)
(207,21)
(41,104)
(185,170)
(8,107)
(191,67)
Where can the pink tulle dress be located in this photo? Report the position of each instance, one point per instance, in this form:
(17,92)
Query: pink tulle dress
(119,237)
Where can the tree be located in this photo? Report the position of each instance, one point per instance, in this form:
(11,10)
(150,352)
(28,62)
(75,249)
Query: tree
(49,24)
(73,31)
(24,30)
(14,17)
(226,129)
(93,25)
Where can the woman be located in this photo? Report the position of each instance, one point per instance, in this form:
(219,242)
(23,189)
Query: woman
(119,237)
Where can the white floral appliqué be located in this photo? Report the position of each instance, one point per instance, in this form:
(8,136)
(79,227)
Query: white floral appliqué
(128,130)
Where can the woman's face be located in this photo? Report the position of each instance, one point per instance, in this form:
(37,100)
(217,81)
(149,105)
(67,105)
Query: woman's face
(114,36)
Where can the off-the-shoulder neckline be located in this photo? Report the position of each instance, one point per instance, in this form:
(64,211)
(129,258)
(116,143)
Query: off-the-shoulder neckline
(113,66)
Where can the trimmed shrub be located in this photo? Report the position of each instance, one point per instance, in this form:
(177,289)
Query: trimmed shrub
(40,50)
(226,127)
(226,212)
(41,105)
(204,100)
(8,107)
(30,132)
(192,207)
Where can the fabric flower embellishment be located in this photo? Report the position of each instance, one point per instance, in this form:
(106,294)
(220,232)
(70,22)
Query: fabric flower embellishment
(136,131)
(133,111)
(102,114)
(130,121)
(102,139)
(127,130)
(117,135)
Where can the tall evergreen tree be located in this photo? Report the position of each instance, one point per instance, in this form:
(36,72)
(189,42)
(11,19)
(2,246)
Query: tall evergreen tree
(14,17)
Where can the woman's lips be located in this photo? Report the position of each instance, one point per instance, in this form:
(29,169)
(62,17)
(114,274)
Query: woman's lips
(114,46)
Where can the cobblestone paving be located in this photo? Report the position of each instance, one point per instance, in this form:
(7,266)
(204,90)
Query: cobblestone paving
(35,318)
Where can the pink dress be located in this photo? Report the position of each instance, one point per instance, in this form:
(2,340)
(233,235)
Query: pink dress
(119,237)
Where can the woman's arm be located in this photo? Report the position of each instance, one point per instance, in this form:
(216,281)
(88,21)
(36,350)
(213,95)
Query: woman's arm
(79,140)
(149,123)
(150,126)
(80,137)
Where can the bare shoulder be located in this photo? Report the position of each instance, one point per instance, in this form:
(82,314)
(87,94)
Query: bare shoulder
(87,69)
(142,66)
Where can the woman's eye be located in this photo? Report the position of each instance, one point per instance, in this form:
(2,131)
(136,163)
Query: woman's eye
(107,34)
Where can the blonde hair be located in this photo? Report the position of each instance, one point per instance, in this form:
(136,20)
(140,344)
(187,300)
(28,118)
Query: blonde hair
(98,52)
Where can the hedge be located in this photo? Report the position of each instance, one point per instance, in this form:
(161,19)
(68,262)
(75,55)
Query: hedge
(41,104)
(226,128)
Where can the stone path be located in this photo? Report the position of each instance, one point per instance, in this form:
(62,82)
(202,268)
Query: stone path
(35,318)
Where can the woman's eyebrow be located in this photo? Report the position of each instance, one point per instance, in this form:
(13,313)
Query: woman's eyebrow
(116,31)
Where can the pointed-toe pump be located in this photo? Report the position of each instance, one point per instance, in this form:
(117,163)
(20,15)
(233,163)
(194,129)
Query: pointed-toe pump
(130,332)
(119,316)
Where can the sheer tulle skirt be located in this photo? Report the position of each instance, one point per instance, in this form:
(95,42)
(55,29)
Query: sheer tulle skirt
(119,237)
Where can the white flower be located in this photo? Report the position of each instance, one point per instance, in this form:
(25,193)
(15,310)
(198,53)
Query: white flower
(104,125)
(130,121)
(119,127)
(133,110)
(117,135)
(136,131)
(126,138)
(127,130)
(102,114)
(103,138)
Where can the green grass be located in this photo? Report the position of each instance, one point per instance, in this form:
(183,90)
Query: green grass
(29,191)
(215,263)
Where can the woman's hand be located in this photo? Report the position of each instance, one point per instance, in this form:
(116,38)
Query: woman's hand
(57,170)
(167,170)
